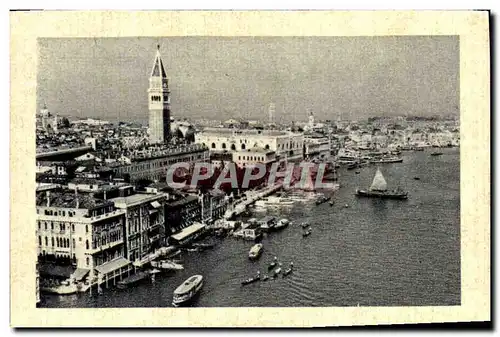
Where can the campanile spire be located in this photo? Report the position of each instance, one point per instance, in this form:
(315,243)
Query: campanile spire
(159,102)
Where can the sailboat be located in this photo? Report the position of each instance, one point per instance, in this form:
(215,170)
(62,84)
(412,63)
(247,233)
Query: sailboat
(378,189)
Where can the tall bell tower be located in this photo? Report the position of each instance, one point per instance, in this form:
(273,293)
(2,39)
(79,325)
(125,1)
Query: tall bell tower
(159,103)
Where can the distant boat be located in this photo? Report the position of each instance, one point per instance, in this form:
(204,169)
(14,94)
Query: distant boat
(387,160)
(187,290)
(436,153)
(273,264)
(307,232)
(378,189)
(416,178)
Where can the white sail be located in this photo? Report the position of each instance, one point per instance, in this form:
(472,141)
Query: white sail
(379,183)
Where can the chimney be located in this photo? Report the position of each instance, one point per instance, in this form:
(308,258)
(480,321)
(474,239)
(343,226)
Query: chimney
(48,198)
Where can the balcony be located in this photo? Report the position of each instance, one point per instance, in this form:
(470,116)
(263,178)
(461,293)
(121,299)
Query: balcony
(106,246)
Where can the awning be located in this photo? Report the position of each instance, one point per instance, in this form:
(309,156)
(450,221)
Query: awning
(80,273)
(156,204)
(112,265)
(186,232)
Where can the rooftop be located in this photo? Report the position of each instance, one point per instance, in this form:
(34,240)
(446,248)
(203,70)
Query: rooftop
(254,132)
(135,199)
(68,199)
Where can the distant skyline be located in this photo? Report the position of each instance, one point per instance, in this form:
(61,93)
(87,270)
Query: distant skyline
(238,77)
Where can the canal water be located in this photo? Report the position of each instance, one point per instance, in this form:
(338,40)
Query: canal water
(372,253)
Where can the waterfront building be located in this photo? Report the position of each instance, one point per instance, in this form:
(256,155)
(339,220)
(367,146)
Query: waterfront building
(152,163)
(78,236)
(252,156)
(214,204)
(317,146)
(144,221)
(286,145)
(159,103)
(181,211)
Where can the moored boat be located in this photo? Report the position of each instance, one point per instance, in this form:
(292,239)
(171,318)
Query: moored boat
(131,280)
(378,189)
(184,293)
(167,265)
(307,232)
(282,223)
(273,264)
(436,153)
(255,251)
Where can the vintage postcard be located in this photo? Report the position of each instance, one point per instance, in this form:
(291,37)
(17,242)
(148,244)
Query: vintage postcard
(249,169)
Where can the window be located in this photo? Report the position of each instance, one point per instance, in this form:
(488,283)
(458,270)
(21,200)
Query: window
(52,225)
(52,242)
(73,228)
(243,146)
(45,226)
(88,261)
(267,146)
(74,243)
(86,228)
(39,225)
(87,244)
(223,145)
(46,241)
(233,147)
(39,240)
(57,242)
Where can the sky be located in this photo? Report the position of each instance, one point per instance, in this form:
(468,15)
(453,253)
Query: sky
(239,77)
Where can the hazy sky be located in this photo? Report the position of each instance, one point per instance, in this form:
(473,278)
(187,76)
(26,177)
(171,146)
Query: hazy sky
(220,78)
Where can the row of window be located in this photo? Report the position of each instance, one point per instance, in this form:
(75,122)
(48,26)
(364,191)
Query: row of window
(252,158)
(285,146)
(99,241)
(62,226)
(57,213)
(158,164)
(57,242)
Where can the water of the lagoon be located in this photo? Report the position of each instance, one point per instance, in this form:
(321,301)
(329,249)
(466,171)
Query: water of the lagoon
(374,253)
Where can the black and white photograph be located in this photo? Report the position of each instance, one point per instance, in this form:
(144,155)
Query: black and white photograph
(248,172)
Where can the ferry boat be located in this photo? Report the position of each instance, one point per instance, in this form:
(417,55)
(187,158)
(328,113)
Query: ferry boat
(255,251)
(378,189)
(132,279)
(187,290)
